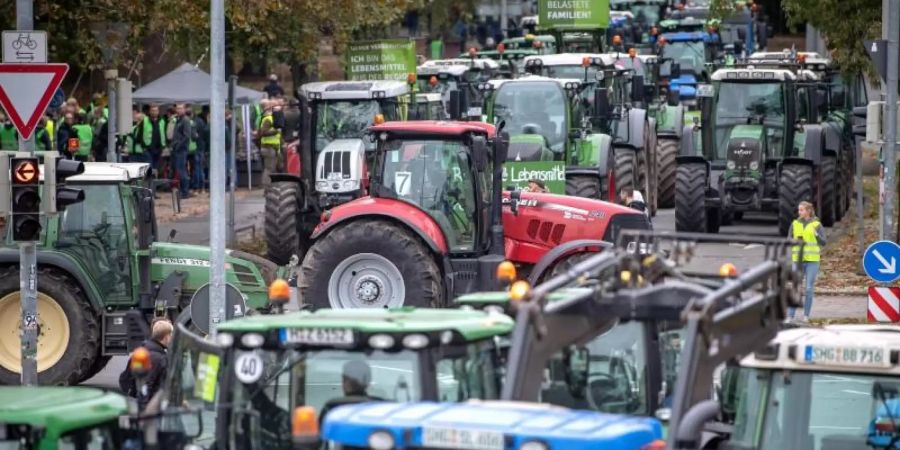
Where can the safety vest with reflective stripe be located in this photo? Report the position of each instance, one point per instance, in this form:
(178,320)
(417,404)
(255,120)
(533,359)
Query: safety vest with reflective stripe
(273,140)
(808,235)
(85,138)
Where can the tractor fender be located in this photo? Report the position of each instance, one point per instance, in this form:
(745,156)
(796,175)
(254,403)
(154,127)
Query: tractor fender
(560,251)
(418,221)
(670,121)
(594,156)
(796,161)
(832,136)
(279,177)
(692,159)
(63,264)
(632,133)
(687,141)
(814,143)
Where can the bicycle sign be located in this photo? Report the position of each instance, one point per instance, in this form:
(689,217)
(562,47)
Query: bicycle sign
(24,46)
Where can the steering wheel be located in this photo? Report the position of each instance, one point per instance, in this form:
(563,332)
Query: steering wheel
(594,377)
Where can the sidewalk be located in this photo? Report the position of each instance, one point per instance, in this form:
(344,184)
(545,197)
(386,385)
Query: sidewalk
(249,209)
(839,307)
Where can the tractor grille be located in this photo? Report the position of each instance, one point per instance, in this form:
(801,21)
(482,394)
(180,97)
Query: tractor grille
(742,152)
(336,166)
(545,231)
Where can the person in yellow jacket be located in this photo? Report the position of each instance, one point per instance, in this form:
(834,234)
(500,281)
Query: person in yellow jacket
(808,229)
(269,143)
(85,135)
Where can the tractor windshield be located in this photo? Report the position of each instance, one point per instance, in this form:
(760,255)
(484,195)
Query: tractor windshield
(348,119)
(330,378)
(750,103)
(535,107)
(813,410)
(690,55)
(436,176)
(570,72)
(644,14)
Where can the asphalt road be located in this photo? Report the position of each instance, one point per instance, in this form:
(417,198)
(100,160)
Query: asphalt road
(707,259)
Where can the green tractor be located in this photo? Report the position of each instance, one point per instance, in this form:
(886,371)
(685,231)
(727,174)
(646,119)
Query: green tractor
(760,147)
(103,276)
(247,383)
(61,418)
(585,127)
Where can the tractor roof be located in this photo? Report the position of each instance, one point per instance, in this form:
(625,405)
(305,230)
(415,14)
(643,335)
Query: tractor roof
(435,127)
(480,63)
(59,408)
(428,97)
(496,84)
(530,37)
(471,325)
(621,14)
(499,424)
(786,53)
(689,36)
(109,172)
(752,74)
(457,70)
(828,349)
(568,59)
(631,2)
(353,90)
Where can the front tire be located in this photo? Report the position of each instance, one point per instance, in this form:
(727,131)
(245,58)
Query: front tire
(666,151)
(283,238)
(370,264)
(690,198)
(68,330)
(794,186)
(625,171)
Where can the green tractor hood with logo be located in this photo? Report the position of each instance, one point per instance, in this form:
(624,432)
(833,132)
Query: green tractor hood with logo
(745,149)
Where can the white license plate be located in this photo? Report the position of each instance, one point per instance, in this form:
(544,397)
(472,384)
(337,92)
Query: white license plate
(317,336)
(462,439)
(846,356)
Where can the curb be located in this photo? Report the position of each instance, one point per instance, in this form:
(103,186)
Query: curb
(850,293)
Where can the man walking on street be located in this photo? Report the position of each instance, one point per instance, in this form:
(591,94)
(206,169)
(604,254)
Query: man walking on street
(808,229)
(157,346)
(181,140)
(154,129)
(270,143)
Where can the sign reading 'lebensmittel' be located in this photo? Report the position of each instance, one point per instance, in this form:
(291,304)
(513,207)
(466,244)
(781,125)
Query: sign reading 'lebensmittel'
(391,59)
(573,14)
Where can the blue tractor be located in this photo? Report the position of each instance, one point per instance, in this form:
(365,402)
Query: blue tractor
(690,51)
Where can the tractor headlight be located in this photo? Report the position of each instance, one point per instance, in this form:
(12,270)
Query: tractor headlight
(252,340)
(754,165)
(348,184)
(729,165)
(320,185)
(415,341)
(381,440)
(225,339)
(381,341)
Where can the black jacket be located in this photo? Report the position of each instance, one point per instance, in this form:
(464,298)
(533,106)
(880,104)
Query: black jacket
(157,376)
(181,138)
(63,133)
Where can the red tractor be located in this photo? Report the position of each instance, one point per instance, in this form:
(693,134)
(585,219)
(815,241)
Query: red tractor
(436,223)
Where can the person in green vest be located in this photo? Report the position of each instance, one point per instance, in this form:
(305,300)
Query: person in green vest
(97,101)
(9,138)
(42,136)
(51,129)
(134,141)
(85,136)
(153,128)
(808,229)
(270,142)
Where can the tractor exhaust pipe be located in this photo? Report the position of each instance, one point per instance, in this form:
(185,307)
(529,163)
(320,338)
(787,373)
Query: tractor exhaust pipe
(501,147)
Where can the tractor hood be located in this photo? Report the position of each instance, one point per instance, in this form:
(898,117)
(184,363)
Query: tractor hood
(529,147)
(248,273)
(686,85)
(744,152)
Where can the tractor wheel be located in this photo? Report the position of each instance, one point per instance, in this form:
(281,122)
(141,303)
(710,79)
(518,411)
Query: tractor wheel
(650,170)
(99,364)
(645,183)
(829,208)
(566,263)
(68,330)
(583,186)
(794,186)
(282,222)
(370,264)
(690,198)
(666,150)
(626,166)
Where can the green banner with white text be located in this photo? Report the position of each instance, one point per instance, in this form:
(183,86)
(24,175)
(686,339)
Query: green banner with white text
(573,14)
(551,173)
(391,59)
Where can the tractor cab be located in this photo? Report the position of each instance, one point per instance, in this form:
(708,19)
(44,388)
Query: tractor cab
(428,106)
(738,29)
(830,387)
(690,51)
(543,44)
(646,13)
(567,66)
(447,75)
(245,386)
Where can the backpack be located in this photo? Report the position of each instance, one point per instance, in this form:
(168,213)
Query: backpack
(126,381)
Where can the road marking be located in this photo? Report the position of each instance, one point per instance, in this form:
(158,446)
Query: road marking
(839,378)
(829,427)
(856,392)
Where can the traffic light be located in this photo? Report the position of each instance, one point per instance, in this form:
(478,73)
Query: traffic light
(26,199)
(57,196)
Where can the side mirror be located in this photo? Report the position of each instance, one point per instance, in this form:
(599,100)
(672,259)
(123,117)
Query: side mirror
(147,209)
(675,71)
(501,146)
(455,105)
(479,152)
(602,107)
(637,88)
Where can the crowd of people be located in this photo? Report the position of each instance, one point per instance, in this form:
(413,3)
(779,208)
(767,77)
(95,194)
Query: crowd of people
(174,139)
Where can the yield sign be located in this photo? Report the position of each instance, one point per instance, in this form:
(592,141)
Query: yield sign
(26,90)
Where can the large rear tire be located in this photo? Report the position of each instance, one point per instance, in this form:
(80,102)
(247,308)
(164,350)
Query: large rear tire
(68,330)
(829,207)
(370,264)
(583,186)
(690,198)
(666,150)
(794,186)
(283,238)
(625,171)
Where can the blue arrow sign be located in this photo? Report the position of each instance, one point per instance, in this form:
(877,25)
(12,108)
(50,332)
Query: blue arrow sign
(880,261)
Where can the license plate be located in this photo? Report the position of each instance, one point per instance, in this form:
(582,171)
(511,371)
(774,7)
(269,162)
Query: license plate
(317,336)
(462,439)
(846,356)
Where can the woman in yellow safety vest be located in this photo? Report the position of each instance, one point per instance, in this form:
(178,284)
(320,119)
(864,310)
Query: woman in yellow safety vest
(808,229)
(85,136)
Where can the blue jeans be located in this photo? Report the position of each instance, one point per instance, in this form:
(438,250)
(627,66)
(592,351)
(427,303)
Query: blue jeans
(810,271)
(181,167)
(198,178)
(139,158)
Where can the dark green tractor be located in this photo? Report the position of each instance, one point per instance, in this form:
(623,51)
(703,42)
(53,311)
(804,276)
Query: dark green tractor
(756,150)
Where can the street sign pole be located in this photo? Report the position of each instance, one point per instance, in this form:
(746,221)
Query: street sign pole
(232,82)
(27,251)
(217,165)
(890,145)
